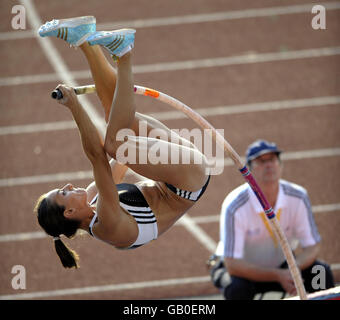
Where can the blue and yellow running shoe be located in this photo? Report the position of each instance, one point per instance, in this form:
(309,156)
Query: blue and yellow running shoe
(117,42)
(74,30)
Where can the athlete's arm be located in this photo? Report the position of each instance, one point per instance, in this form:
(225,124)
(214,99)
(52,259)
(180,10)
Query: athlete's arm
(110,216)
(117,171)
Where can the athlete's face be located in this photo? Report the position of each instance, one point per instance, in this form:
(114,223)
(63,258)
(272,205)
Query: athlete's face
(266,168)
(73,199)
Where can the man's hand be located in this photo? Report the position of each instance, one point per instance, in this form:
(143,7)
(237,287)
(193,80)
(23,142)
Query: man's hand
(69,96)
(285,279)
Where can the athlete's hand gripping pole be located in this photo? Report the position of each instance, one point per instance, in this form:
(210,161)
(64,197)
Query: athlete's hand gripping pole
(237,161)
(57,94)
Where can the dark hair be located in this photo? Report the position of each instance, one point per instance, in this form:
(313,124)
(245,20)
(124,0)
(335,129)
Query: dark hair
(51,218)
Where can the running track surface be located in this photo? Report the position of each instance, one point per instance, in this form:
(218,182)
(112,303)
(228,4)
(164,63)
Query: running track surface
(237,55)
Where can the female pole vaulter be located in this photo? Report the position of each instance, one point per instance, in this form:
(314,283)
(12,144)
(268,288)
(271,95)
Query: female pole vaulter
(123,215)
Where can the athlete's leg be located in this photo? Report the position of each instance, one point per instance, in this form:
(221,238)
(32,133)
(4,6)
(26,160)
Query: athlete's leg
(154,126)
(103,73)
(159,160)
(186,173)
(122,114)
(105,78)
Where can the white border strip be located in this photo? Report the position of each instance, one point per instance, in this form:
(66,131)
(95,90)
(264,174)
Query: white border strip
(188,222)
(193,18)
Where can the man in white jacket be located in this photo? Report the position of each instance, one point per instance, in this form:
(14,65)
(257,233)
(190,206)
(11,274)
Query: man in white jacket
(249,257)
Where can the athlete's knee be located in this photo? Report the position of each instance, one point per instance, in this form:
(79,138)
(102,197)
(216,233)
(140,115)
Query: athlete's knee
(109,146)
(119,143)
(201,163)
(196,175)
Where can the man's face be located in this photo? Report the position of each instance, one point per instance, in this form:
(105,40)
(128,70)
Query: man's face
(266,168)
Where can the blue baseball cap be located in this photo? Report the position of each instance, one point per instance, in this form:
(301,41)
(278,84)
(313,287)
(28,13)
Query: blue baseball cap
(259,148)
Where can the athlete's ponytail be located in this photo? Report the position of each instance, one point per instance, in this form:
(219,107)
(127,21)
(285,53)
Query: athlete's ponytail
(51,218)
(69,258)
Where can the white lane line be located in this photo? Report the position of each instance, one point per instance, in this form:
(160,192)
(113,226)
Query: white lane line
(299,155)
(172,115)
(194,221)
(23,236)
(85,175)
(322,208)
(220,16)
(58,63)
(116,287)
(38,127)
(326,208)
(107,288)
(248,58)
(193,18)
(46,178)
(32,79)
(198,233)
(308,154)
(16,35)
(335,266)
(251,107)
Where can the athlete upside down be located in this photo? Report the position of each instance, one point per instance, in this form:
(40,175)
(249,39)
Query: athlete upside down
(123,215)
